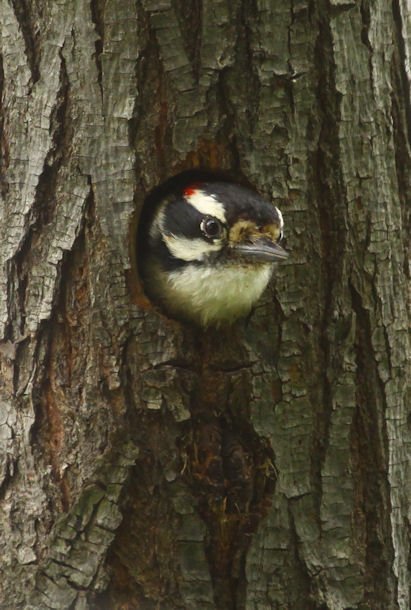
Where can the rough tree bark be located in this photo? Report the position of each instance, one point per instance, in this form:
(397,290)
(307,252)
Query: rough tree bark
(145,465)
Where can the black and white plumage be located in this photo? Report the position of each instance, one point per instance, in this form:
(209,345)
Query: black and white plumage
(208,250)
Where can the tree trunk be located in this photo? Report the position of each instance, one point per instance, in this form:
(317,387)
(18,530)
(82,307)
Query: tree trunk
(145,464)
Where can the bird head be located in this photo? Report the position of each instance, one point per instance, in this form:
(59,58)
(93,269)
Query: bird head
(208,251)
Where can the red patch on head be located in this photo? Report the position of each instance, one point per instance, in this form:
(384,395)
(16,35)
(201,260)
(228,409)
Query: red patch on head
(190,190)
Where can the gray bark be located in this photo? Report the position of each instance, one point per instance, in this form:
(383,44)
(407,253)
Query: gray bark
(147,465)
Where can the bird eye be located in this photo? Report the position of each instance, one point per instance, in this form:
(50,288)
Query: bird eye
(280,237)
(211,227)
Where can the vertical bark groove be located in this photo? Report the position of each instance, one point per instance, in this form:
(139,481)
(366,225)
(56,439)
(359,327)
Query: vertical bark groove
(25,16)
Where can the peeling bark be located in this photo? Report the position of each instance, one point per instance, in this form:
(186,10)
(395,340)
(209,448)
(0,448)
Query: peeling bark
(144,464)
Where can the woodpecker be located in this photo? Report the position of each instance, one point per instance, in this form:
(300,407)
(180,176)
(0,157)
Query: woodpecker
(208,250)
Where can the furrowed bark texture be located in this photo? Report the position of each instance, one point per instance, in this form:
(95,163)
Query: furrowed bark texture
(147,465)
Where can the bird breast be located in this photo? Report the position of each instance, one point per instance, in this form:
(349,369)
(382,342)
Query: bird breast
(210,294)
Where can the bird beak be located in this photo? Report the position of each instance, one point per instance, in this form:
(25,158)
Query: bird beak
(260,249)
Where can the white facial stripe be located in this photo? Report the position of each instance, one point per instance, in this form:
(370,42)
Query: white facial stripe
(189,249)
(207,204)
(280,216)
